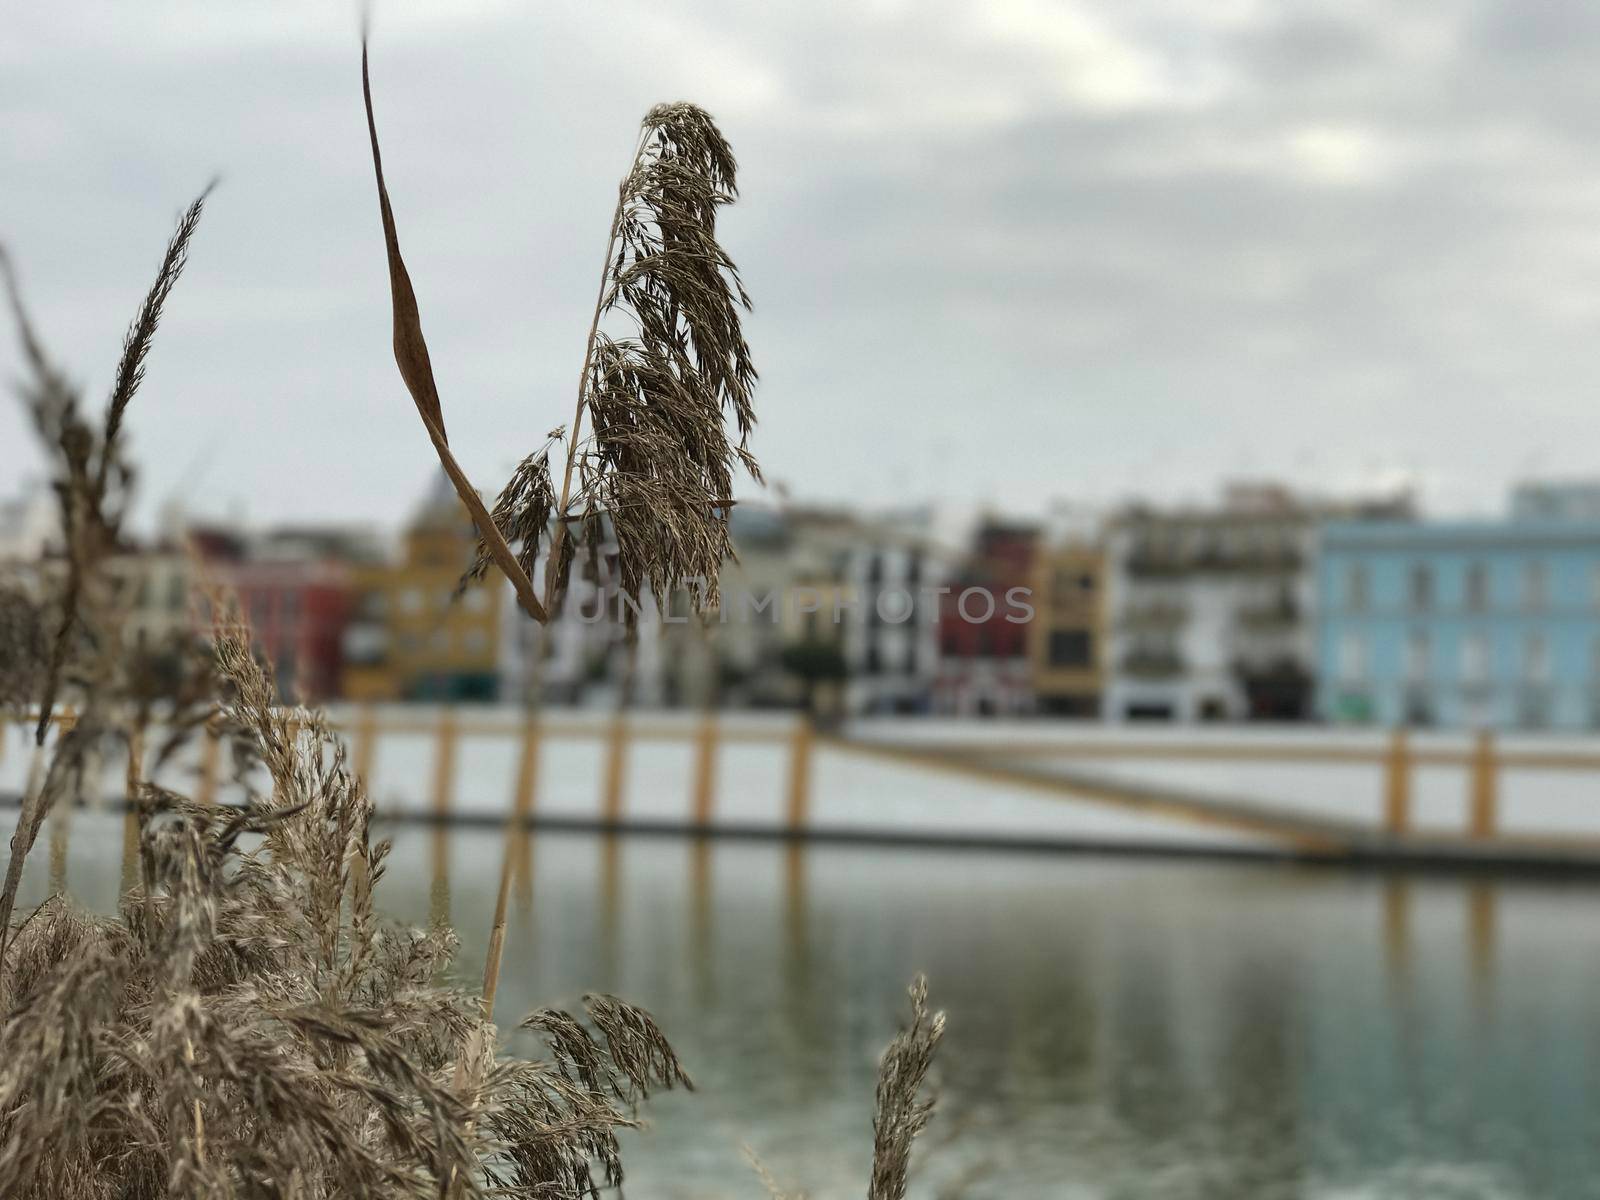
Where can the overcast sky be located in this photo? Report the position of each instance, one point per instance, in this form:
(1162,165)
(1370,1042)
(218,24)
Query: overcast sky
(1008,249)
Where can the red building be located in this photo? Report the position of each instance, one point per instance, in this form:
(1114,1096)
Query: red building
(294,587)
(983,625)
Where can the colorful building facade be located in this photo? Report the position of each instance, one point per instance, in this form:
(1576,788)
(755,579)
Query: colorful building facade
(1066,638)
(1466,624)
(410,635)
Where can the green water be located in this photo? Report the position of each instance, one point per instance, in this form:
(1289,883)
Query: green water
(1116,1028)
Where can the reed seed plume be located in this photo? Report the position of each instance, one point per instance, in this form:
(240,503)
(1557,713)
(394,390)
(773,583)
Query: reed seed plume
(521,514)
(90,477)
(659,463)
(901,1113)
(141,333)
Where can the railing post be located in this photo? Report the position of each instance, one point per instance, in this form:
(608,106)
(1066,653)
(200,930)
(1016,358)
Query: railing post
(132,781)
(527,771)
(1397,785)
(616,771)
(444,762)
(1483,800)
(705,770)
(800,774)
(210,753)
(365,747)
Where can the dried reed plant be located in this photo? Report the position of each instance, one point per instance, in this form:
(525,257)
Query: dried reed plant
(247,1024)
(902,1112)
(91,477)
(658,463)
(657,466)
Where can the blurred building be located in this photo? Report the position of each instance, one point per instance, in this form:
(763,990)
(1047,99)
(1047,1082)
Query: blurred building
(581,656)
(1211,609)
(743,654)
(30,525)
(409,635)
(1556,500)
(890,615)
(984,620)
(1465,623)
(822,606)
(296,588)
(1067,635)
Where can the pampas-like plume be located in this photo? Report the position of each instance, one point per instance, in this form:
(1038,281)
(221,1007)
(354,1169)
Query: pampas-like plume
(91,477)
(901,1112)
(659,464)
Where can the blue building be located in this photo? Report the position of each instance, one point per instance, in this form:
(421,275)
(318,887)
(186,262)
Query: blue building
(1464,623)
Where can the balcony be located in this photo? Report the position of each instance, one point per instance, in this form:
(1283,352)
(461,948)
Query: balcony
(1148,563)
(1154,615)
(1152,664)
(1280,614)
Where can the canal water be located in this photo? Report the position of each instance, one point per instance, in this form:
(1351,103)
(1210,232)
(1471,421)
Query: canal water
(1117,1027)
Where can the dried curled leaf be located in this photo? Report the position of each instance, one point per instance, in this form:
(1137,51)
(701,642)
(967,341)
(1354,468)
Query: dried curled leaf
(416,370)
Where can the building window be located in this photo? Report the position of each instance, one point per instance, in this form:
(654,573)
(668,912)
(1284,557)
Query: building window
(177,592)
(1421,588)
(1535,658)
(411,600)
(1477,588)
(1535,586)
(1070,648)
(1356,587)
(475,599)
(1417,665)
(1353,657)
(475,642)
(1475,658)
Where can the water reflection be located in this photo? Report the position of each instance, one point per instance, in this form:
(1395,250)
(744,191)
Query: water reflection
(1117,1029)
(439,839)
(1481,932)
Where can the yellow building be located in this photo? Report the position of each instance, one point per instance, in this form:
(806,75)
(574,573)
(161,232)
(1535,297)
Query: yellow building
(411,637)
(1066,638)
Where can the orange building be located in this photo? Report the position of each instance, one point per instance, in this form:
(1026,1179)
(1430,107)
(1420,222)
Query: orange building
(1066,638)
(411,636)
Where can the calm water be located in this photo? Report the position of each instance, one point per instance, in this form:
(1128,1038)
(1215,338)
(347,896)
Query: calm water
(1116,1028)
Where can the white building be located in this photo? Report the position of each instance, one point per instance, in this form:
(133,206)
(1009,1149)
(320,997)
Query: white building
(1211,609)
(587,655)
(30,527)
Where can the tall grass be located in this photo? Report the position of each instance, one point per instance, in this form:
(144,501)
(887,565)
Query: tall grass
(248,1024)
